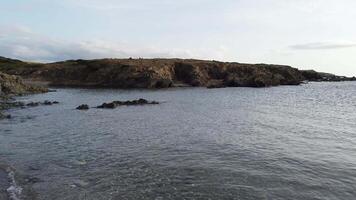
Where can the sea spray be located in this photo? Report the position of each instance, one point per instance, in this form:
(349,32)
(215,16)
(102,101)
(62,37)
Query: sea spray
(14,191)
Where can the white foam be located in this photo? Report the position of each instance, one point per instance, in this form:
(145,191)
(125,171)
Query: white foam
(14,191)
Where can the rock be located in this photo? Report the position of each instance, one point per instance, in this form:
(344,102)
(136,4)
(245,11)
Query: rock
(111,105)
(311,75)
(162,73)
(83,107)
(47,103)
(216,84)
(11,85)
(33,104)
(4,116)
(158,73)
(33,180)
(115,104)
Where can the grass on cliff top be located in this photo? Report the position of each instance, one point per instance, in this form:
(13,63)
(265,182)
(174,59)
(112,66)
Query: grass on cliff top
(10,64)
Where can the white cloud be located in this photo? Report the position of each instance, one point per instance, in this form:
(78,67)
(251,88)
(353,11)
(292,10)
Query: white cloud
(22,43)
(323,45)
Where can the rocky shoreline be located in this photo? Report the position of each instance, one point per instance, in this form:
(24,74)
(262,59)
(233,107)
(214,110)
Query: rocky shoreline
(161,73)
(11,86)
(20,78)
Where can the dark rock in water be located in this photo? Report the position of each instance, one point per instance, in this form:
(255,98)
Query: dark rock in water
(33,104)
(7,105)
(115,104)
(111,105)
(83,107)
(34,168)
(33,180)
(47,103)
(4,116)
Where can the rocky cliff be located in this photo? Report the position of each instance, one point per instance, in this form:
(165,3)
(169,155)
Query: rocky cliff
(155,73)
(312,75)
(11,85)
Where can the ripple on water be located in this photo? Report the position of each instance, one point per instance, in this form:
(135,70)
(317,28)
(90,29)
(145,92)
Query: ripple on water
(233,143)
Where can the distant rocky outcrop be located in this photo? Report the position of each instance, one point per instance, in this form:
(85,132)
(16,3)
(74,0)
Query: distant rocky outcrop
(46,103)
(115,104)
(11,85)
(312,75)
(161,73)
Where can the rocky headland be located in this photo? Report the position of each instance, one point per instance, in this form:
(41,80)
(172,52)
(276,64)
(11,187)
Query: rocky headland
(161,73)
(10,86)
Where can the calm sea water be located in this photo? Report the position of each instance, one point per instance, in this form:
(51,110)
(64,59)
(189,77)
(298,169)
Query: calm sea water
(292,142)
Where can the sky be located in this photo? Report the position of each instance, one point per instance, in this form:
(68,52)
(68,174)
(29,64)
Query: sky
(307,34)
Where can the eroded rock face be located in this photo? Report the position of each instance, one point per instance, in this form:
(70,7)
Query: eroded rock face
(162,73)
(13,85)
(115,104)
(159,73)
(312,75)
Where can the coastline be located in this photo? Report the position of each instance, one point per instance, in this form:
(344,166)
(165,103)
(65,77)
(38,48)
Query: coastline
(161,73)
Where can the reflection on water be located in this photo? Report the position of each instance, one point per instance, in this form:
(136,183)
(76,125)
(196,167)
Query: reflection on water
(293,142)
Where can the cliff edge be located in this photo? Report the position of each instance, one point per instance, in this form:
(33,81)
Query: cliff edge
(156,73)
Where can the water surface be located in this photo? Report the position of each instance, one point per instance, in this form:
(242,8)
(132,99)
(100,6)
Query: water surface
(291,142)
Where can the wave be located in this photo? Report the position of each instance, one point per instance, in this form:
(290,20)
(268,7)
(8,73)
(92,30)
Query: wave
(12,188)
(14,191)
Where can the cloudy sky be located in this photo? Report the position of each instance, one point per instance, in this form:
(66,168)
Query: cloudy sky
(318,34)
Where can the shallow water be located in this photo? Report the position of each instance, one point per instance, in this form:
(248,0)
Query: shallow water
(291,142)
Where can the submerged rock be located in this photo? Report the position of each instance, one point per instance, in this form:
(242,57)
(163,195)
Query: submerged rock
(115,104)
(33,104)
(111,105)
(46,103)
(4,116)
(33,180)
(83,107)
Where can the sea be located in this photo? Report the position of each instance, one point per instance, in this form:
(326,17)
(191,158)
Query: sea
(276,143)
